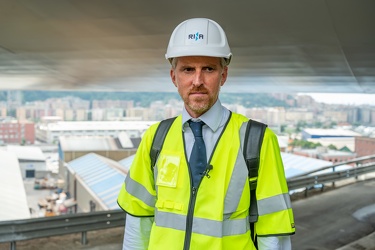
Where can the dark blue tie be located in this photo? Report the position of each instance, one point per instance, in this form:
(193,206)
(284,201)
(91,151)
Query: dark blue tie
(198,158)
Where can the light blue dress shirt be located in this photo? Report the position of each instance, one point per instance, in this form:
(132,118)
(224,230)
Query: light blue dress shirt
(214,120)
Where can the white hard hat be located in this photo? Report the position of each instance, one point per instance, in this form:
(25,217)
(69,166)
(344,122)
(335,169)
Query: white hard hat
(198,37)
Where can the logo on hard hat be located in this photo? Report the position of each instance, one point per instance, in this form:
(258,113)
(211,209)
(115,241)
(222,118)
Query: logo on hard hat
(195,37)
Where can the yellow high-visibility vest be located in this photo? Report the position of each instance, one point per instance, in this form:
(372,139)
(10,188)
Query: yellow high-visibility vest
(215,216)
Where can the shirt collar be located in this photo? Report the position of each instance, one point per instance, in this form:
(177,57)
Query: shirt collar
(211,118)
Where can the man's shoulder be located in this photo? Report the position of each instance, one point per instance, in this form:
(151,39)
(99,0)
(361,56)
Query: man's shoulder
(239,117)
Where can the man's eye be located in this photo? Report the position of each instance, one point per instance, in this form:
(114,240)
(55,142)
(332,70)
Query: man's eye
(209,69)
(188,69)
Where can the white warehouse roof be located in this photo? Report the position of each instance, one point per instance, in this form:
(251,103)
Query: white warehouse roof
(87,143)
(29,153)
(97,125)
(331,132)
(13,195)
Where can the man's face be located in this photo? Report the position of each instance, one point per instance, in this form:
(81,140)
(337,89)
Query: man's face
(198,80)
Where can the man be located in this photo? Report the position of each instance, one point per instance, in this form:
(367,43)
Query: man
(178,204)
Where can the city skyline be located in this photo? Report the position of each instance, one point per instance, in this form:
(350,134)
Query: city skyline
(343,98)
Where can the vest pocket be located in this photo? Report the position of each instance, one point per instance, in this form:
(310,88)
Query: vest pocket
(168,168)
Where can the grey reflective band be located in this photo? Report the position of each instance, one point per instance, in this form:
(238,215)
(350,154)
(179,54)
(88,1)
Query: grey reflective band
(139,191)
(169,220)
(236,186)
(238,180)
(156,170)
(202,226)
(274,204)
(242,133)
(220,228)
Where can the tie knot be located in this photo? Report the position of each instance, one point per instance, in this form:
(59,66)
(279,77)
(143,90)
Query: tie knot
(196,127)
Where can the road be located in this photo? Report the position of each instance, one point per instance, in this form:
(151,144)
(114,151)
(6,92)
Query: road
(335,218)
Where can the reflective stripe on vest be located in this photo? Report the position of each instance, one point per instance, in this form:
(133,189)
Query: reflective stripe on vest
(202,226)
(274,204)
(139,191)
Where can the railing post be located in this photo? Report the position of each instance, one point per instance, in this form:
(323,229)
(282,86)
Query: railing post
(12,245)
(355,170)
(333,170)
(84,238)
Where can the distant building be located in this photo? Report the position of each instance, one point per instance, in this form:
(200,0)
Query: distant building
(142,113)
(333,116)
(94,182)
(50,132)
(73,147)
(339,142)
(314,133)
(16,132)
(364,146)
(31,159)
(336,156)
(13,198)
(323,153)
(295,115)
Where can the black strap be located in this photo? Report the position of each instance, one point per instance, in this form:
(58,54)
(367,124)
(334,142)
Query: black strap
(252,145)
(158,141)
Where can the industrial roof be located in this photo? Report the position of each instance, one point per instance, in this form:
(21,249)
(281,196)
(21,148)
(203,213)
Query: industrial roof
(296,164)
(87,143)
(102,176)
(13,195)
(97,125)
(127,162)
(124,140)
(29,153)
(331,132)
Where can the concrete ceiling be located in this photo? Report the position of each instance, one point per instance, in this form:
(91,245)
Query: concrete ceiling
(119,45)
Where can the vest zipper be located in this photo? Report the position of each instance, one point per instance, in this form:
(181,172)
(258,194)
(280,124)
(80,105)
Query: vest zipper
(189,219)
(190,215)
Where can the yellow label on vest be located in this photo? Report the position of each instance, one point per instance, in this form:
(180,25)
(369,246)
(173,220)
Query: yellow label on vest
(168,168)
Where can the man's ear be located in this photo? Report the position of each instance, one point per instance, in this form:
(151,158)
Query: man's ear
(173,76)
(224,75)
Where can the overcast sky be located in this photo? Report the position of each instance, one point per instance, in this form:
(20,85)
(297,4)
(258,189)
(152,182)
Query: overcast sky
(350,99)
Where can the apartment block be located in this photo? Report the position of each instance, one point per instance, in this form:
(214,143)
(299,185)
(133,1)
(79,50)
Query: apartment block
(17,132)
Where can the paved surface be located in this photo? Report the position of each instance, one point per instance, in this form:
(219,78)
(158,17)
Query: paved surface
(336,218)
(365,243)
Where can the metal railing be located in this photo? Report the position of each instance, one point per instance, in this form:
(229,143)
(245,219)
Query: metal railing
(313,178)
(18,230)
(321,179)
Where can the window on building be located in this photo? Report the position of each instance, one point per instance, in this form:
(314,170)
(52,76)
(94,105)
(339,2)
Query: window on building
(30,173)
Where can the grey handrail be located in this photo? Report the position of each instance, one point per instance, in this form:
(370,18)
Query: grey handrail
(16,230)
(312,180)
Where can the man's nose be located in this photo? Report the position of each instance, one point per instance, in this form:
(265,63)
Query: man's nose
(198,78)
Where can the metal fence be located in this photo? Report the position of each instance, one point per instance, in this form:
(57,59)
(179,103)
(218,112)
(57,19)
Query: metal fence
(321,179)
(315,177)
(17,230)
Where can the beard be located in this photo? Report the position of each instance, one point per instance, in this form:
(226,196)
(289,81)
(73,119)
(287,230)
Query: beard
(199,104)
